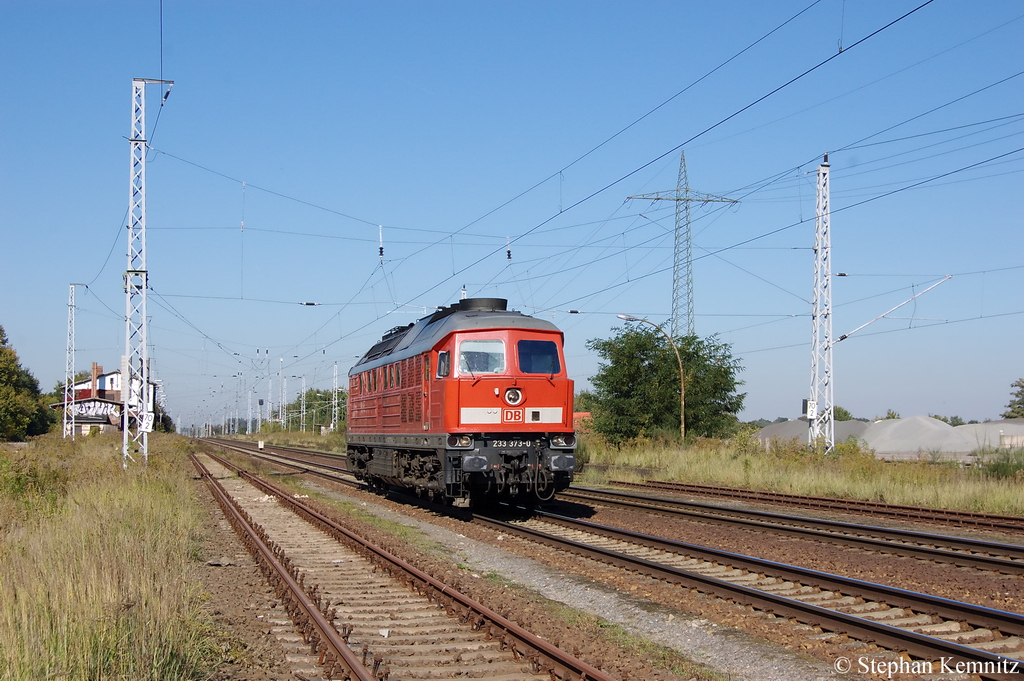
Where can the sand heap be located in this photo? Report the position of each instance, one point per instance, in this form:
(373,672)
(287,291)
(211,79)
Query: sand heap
(912,438)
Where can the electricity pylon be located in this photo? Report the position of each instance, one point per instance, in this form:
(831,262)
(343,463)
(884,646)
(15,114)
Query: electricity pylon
(682,258)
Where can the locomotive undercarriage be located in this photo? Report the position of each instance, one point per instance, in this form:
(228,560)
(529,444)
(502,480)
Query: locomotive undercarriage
(488,470)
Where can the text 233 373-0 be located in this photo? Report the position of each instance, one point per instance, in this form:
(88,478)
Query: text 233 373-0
(515,444)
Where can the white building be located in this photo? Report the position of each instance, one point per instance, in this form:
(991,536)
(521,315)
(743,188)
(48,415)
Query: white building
(97,402)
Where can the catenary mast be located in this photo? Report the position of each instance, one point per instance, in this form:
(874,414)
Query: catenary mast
(820,416)
(69,370)
(136,392)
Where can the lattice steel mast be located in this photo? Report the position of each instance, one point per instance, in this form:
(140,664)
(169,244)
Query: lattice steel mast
(820,416)
(682,259)
(69,370)
(334,401)
(136,392)
(284,396)
(302,405)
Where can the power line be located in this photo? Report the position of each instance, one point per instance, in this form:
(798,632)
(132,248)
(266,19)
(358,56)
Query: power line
(687,141)
(1016,116)
(874,82)
(899,330)
(800,222)
(929,111)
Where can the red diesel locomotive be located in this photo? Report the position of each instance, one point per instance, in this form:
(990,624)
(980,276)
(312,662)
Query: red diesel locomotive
(471,404)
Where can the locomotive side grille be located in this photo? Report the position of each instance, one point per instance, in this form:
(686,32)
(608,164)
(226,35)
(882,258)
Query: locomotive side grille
(416,379)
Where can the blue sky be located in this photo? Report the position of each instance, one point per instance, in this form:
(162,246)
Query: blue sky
(458,126)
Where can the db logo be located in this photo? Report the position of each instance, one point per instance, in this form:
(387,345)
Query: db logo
(512,416)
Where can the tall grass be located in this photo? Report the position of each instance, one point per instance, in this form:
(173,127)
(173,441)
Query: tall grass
(98,565)
(850,472)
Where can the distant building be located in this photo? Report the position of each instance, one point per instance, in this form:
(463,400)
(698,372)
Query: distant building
(97,403)
(581,421)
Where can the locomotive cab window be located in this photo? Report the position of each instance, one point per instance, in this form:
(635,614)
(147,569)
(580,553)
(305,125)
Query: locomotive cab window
(443,364)
(538,357)
(482,357)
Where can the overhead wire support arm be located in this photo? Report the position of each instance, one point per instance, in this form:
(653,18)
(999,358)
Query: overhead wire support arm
(890,311)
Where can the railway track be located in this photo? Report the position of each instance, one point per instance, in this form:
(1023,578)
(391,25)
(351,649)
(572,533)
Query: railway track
(931,629)
(962,518)
(366,615)
(305,465)
(986,641)
(983,555)
(243,445)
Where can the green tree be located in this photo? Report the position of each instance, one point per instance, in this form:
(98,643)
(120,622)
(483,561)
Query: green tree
(162,421)
(840,414)
(23,411)
(1015,409)
(584,400)
(636,389)
(951,420)
(58,390)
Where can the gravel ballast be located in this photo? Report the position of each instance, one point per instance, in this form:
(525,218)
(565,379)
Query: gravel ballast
(733,653)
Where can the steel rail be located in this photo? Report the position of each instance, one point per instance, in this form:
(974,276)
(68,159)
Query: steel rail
(1005,558)
(1002,522)
(892,637)
(976,615)
(317,630)
(558,663)
(252,445)
(266,453)
(919,645)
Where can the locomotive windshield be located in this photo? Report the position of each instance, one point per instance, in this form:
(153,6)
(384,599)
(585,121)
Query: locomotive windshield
(482,356)
(538,357)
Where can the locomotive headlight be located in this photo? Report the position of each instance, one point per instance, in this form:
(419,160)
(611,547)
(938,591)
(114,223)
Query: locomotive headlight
(513,396)
(565,441)
(460,441)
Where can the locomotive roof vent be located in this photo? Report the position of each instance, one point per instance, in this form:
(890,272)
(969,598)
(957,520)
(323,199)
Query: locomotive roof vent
(483,304)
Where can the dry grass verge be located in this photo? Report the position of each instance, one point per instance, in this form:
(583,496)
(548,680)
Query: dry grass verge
(97,565)
(848,473)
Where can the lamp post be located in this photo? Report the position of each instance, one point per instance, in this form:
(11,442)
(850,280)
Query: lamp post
(682,385)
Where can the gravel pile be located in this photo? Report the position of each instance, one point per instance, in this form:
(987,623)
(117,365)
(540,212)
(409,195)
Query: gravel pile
(915,435)
(987,435)
(797,428)
(912,438)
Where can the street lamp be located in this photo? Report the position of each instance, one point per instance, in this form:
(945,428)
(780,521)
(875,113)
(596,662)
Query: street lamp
(682,384)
